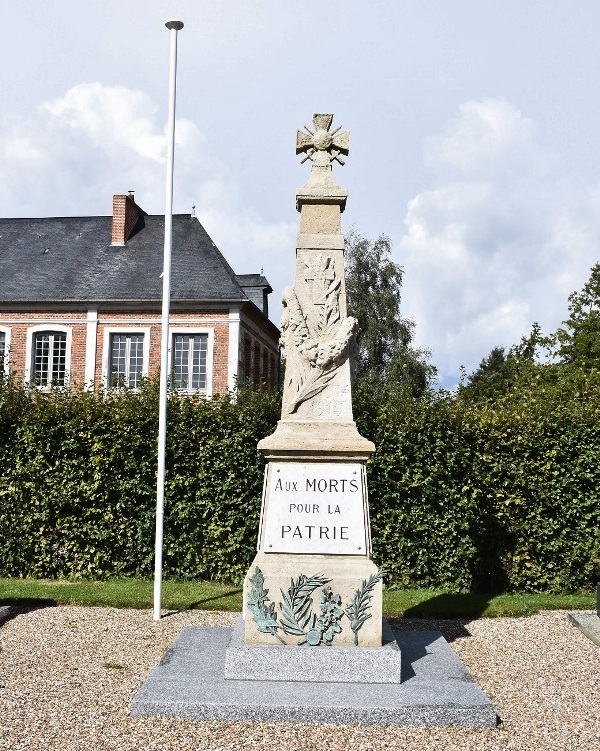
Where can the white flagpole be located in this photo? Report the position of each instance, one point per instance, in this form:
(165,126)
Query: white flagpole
(174,27)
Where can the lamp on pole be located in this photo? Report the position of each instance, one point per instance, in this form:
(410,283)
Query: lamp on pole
(174,26)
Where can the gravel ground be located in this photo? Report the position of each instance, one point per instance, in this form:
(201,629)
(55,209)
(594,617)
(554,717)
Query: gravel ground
(68,674)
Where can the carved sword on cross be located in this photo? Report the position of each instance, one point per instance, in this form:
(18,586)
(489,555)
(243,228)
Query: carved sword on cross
(321,146)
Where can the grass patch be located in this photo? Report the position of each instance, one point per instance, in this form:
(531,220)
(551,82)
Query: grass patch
(415,603)
(122,593)
(423,603)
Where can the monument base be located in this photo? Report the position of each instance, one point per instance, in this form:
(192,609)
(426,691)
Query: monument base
(320,599)
(258,662)
(436,688)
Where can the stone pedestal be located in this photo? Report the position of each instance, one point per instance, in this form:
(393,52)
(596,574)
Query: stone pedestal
(312,581)
(209,674)
(317,599)
(249,662)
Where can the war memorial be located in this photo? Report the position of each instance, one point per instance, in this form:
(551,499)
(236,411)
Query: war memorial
(311,644)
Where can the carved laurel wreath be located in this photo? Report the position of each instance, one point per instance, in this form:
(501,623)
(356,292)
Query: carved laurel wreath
(297,617)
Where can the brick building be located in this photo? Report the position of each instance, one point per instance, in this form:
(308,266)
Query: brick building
(80,303)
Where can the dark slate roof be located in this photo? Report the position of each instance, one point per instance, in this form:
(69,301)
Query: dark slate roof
(253,280)
(257,289)
(70,259)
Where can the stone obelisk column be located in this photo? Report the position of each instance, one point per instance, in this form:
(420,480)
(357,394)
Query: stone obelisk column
(312,580)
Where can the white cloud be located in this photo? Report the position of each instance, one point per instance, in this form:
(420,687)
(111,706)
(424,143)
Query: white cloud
(488,137)
(497,241)
(111,117)
(95,140)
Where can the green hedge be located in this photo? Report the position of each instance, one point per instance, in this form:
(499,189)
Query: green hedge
(489,496)
(468,496)
(78,483)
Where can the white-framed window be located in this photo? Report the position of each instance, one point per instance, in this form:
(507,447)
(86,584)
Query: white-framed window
(4,350)
(48,355)
(191,360)
(125,357)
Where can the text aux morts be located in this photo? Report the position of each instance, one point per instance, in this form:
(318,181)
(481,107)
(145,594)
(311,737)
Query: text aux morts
(316,531)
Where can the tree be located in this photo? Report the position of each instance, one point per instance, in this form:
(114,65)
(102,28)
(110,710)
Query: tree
(499,372)
(493,377)
(373,288)
(573,352)
(579,340)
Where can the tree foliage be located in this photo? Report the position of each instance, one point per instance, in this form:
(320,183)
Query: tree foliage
(493,377)
(499,372)
(573,348)
(579,337)
(373,287)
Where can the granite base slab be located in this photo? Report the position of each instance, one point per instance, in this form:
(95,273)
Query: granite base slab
(435,688)
(589,623)
(253,662)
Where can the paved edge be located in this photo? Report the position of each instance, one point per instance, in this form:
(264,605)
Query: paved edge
(589,623)
(436,689)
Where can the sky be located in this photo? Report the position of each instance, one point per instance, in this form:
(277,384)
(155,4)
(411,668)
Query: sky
(473,138)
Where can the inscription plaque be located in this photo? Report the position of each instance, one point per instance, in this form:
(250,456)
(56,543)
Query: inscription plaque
(316,507)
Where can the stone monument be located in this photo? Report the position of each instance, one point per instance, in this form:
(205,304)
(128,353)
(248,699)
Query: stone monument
(312,645)
(312,581)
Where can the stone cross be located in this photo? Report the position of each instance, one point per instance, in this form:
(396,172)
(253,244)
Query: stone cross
(321,146)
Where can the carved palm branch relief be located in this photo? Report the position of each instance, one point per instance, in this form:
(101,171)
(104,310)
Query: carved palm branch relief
(297,601)
(264,615)
(315,356)
(357,609)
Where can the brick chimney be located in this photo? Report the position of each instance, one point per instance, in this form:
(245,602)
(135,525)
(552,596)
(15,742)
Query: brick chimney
(126,214)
